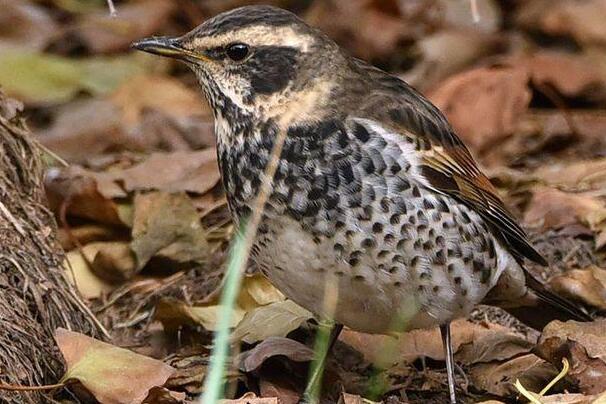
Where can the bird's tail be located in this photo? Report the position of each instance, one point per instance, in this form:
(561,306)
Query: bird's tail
(542,306)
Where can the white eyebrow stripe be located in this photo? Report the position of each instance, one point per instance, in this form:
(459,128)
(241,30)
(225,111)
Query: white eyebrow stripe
(258,35)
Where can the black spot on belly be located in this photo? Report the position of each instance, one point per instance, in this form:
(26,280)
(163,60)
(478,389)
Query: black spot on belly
(361,133)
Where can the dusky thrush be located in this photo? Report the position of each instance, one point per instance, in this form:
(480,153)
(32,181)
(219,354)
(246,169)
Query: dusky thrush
(372,188)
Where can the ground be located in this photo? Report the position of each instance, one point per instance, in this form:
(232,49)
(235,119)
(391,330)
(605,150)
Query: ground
(127,138)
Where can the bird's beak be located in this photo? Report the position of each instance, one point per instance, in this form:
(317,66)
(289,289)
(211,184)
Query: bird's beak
(166,46)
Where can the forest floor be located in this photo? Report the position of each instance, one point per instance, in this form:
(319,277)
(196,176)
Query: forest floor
(144,223)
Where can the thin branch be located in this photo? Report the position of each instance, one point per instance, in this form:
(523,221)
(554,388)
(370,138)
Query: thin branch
(112,8)
(475,12)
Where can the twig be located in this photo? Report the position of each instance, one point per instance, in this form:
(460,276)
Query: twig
(475,12)
(13,387)
(112,8)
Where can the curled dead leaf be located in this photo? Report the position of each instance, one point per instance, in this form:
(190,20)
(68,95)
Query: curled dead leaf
(584,345)
(251,398)
(173,314)
(252,359)
(181,171)
(499,377)
(587,285)
(113,375)
(273,320)
(484,104)
(177,238)
(472,343)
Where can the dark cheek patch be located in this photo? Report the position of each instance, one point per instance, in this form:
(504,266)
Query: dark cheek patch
(271,68)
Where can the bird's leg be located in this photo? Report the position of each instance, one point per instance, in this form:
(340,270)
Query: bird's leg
(447,344)
(314,380)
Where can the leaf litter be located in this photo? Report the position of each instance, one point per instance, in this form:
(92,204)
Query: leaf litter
(146,227)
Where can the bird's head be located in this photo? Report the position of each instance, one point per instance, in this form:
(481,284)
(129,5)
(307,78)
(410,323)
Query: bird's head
(257,59)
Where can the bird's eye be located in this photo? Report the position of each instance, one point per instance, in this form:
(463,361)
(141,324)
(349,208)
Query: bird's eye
(237,51)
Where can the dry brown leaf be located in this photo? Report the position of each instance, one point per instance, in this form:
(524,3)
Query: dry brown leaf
(582,20)
(177,237)
(550,208)
(81,275)
(484,104)
(472,343)
(114,262)
(587,285)
(160,93)
(347,398)
(25,24)
(447,52)
(252,359)
(580,175)
(181,171)
(102,33)
(353,24)
(77,191)
(162,395)
(283,388)
(584,345)
(273,320)
(86,128)
(570,398)
(571,75)
(111,374)
(251,398)
(173,314)
(255,291)
(85,234)
(499,377)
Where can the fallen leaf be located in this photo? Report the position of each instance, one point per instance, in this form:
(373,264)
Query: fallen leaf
(182,171)
(571,75)
(77,191)
(484,104)
(472,343)
(178,238)
(161,395)
(111,374)
(447,52)
(173,314)
(159,93)
(571,398)
(553,209)
(274,320)
(255,291)
(583,175)
(582,20)
(350,399)
(353,25)
(86,234)
(587,285)
(25,24)
(251,398)
(252,359)
(114,262)
(283,388)
(102,33)
(499,377)
(86,128)
(39,78)
(584,345)
(80,274)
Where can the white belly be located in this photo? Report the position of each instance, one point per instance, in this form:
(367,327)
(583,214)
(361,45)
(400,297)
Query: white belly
(367,299)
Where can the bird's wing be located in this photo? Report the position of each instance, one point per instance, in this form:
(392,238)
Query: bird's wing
(445,163)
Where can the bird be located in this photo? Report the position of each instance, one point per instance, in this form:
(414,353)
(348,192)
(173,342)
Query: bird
(372,187)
